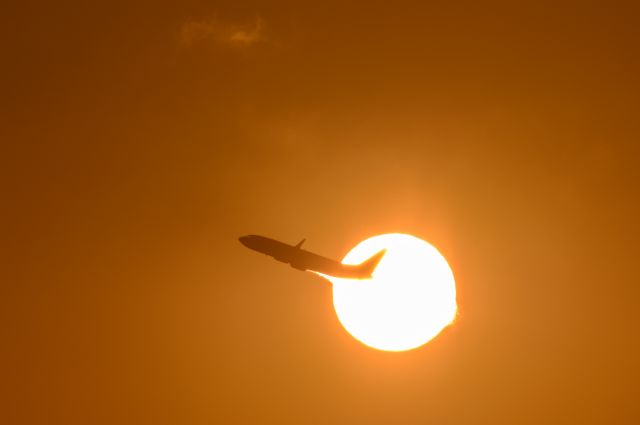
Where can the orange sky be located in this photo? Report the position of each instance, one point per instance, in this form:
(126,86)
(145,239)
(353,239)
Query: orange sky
(140,140)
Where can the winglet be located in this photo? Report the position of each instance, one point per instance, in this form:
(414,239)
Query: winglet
(300,243)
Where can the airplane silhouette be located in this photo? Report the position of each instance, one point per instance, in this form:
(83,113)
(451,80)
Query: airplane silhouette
(301,259)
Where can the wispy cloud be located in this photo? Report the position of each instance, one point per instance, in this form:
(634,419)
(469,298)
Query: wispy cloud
(216,31)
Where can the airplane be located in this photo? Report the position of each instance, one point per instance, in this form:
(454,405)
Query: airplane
(303,260)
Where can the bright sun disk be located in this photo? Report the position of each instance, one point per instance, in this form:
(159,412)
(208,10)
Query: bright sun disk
(409,300)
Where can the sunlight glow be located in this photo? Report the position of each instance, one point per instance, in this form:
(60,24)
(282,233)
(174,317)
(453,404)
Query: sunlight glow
(409,300)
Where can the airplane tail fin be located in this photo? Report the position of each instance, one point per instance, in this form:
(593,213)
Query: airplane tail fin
(368,266)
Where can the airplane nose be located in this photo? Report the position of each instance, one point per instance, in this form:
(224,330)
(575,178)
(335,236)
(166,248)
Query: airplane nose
(243,240)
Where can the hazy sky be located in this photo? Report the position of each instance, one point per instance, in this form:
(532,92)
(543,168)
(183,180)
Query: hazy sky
(138,141)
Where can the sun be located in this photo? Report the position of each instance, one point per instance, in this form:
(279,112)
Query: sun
(409,300)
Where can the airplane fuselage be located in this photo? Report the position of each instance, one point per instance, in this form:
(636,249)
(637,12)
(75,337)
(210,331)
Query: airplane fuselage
(301,259)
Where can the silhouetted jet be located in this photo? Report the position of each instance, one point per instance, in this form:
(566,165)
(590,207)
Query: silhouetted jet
(305,260)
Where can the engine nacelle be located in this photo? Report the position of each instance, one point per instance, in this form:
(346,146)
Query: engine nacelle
(298,267)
